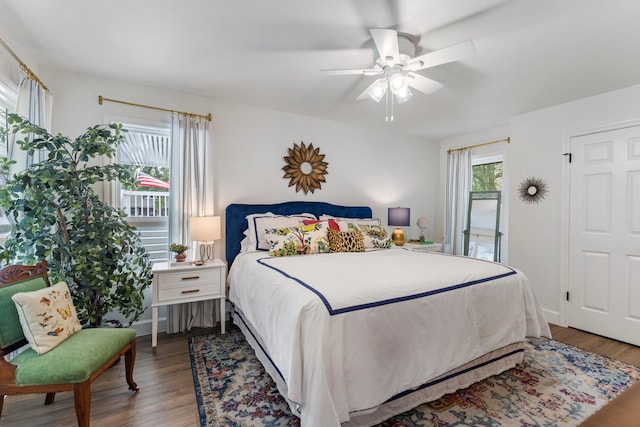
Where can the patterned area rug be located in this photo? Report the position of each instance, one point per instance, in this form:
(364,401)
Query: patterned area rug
(556,385)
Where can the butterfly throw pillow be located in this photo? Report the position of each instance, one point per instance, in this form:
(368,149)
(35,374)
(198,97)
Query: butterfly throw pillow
(47,316)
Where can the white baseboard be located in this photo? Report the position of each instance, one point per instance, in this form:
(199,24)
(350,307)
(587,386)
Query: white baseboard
(143,327)
(553,317)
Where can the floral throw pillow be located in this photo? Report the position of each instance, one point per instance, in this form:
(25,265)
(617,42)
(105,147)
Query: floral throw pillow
(345,241)
(298,240)
(332,224)
(47,316)
(375,236)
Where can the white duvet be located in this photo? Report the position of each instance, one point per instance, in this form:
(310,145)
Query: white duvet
(348,331)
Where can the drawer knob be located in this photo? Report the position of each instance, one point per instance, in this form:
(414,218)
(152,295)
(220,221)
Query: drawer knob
(190,278)
(191,291)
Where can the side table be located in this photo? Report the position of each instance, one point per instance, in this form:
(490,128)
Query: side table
(176,284)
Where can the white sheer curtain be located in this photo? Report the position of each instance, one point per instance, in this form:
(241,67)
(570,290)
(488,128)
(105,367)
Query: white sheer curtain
(190,194)
(457,199)
(34,103)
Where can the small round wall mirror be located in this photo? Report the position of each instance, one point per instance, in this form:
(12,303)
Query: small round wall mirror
(306,168)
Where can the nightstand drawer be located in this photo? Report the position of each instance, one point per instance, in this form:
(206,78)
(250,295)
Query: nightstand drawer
(189,284)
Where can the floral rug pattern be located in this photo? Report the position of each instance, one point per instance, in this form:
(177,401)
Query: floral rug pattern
(557,385)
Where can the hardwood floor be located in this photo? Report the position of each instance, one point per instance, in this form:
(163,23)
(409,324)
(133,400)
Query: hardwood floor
(597,344)
(167,398)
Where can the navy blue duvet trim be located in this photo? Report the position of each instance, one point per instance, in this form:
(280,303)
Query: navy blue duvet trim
(333,311)
(288,276)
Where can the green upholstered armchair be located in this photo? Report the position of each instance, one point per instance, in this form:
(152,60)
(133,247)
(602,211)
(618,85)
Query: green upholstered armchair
(72,365)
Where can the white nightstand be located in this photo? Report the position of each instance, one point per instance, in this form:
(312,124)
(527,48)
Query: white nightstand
(186,283)
(428,247)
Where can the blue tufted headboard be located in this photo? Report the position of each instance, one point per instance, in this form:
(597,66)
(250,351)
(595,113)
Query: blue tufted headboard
(236,223)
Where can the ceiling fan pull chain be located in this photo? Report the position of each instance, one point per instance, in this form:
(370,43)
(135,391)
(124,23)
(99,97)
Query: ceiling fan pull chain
(391,103)
(386,106)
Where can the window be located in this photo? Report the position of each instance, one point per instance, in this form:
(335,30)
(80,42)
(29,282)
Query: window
(8,99)
(146,203)
(483,236)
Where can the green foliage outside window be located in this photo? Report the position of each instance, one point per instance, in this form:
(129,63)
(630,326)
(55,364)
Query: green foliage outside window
(487,177)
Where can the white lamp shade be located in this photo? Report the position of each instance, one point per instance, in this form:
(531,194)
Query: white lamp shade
(205,228)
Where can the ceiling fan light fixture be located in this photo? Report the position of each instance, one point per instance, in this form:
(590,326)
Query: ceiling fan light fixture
(378,90)
(403,95)
(400,87)
(397,83)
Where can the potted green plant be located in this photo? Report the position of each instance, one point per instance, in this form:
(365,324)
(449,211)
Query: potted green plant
(179,249)
(56,215)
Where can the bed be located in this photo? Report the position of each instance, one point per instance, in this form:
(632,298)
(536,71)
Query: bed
(353,338)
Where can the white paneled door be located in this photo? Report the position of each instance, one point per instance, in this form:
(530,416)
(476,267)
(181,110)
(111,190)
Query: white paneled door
(604,242)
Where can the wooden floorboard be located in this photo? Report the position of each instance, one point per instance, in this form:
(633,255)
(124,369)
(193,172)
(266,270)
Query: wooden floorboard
(598,344)
(167,396)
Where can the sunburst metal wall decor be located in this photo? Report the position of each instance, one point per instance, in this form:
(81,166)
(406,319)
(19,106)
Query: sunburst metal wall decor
(532,190)
(305,167)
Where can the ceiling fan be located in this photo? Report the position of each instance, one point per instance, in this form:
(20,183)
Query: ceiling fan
(397,67)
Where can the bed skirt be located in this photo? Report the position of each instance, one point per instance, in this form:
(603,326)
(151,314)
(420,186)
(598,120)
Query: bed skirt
(483,367)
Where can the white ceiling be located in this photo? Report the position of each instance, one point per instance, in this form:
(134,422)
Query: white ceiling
(530,54)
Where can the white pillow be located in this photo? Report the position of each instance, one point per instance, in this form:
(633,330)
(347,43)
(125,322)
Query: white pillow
(47,316)
(250,232)
(259,223)
(245,245)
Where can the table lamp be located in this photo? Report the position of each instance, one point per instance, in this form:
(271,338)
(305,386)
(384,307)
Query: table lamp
(398,217)
(205,229)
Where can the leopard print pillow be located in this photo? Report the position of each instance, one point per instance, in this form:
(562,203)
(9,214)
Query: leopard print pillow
(345,241)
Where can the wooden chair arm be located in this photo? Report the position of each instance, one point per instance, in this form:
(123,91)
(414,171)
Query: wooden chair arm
(7,372)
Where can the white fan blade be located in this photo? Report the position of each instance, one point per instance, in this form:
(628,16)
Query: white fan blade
(452,53)
(362,72)
(387,44)
(423,84)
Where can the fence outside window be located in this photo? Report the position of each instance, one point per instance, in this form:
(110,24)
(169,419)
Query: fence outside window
(144,203)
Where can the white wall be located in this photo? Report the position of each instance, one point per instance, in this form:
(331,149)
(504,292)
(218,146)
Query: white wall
(9,67)
(538,234)
(366,167)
